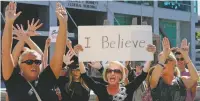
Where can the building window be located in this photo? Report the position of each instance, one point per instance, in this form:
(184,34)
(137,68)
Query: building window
(195,6)
(122,19)
(168,29)
(146,3)
(176,5)
(30,11)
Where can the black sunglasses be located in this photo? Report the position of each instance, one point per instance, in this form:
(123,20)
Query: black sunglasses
(179,59)
(30,62)
(114,70)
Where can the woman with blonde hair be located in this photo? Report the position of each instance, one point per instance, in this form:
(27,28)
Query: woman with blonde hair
(114,74)
(165,81)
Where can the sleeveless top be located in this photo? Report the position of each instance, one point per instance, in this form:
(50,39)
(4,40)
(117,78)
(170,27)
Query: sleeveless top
(164,92)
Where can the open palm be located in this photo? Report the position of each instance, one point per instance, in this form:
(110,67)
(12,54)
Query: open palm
(10,12)
(61,13)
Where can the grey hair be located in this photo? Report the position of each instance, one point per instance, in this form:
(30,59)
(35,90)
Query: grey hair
(27,52)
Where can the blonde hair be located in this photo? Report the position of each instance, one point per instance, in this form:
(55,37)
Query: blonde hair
(27,52)
(176,70)
(116,63)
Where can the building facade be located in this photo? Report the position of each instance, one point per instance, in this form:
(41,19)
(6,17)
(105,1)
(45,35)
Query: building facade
(174,19)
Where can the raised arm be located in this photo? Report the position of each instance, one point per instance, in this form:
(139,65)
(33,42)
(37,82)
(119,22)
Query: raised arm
(31,31)
(156,74)
(7,60)
(21,36)
(184,50)
(97,65)
(57,59)
(88,80)
(46,52)
(133,85)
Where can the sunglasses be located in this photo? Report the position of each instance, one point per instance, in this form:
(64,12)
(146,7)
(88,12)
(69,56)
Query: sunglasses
(114,70)
(30,62)
(179,59)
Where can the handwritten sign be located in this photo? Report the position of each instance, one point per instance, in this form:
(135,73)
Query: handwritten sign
(121,43)
(54,32)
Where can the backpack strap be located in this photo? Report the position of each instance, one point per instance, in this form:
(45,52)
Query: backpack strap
(36,94)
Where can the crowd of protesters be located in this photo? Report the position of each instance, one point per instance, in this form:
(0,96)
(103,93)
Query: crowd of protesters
(29,77)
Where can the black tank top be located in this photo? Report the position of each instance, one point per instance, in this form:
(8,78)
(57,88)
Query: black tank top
(165,92)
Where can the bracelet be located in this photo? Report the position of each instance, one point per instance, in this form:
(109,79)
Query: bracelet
(188,62)
(161,64)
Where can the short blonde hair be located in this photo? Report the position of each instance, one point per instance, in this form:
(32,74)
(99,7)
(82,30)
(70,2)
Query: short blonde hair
(27,52)
(116,63)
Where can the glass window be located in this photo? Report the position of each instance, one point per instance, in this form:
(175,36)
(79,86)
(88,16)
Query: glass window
(195,6)
(123,19)
(30,11)
(168,28)
(176,5)
(146,3)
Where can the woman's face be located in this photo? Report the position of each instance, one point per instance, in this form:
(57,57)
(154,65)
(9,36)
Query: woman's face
(76,74)
(169,65)
(114,74)
(138,69)
(30,66)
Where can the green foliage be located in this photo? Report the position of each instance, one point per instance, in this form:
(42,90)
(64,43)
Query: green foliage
(197,35)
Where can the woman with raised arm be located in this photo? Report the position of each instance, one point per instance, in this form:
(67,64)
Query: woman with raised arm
(165,81)
(32,84)
(113,74)
(24,37)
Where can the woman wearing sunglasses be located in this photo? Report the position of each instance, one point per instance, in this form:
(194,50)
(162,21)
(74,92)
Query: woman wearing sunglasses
(165,81)
(191,93)
(32,84)
(114,74)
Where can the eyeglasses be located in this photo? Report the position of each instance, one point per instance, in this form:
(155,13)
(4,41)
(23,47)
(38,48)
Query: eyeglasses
(114,70)
(179,59)
(30,62)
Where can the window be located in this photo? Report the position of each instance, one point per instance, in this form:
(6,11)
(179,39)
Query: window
(146,3)
(176,5)
(30,11)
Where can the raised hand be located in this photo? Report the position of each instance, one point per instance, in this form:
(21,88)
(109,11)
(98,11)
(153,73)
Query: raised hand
(61,13)
(10,12)
(48,42)
(69,44)
(96,64)
(166,46)
(67,58)
(184,49)
(78,48)
(31,30)
(20,33)
(151,48)
(166,50)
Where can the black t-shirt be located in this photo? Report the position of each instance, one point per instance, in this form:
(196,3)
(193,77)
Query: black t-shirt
(19,90)
(101,90)
(76,92)
(164,92)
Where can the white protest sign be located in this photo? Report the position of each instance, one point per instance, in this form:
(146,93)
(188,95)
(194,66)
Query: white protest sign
(53,33)
(121,43)
(104,63)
